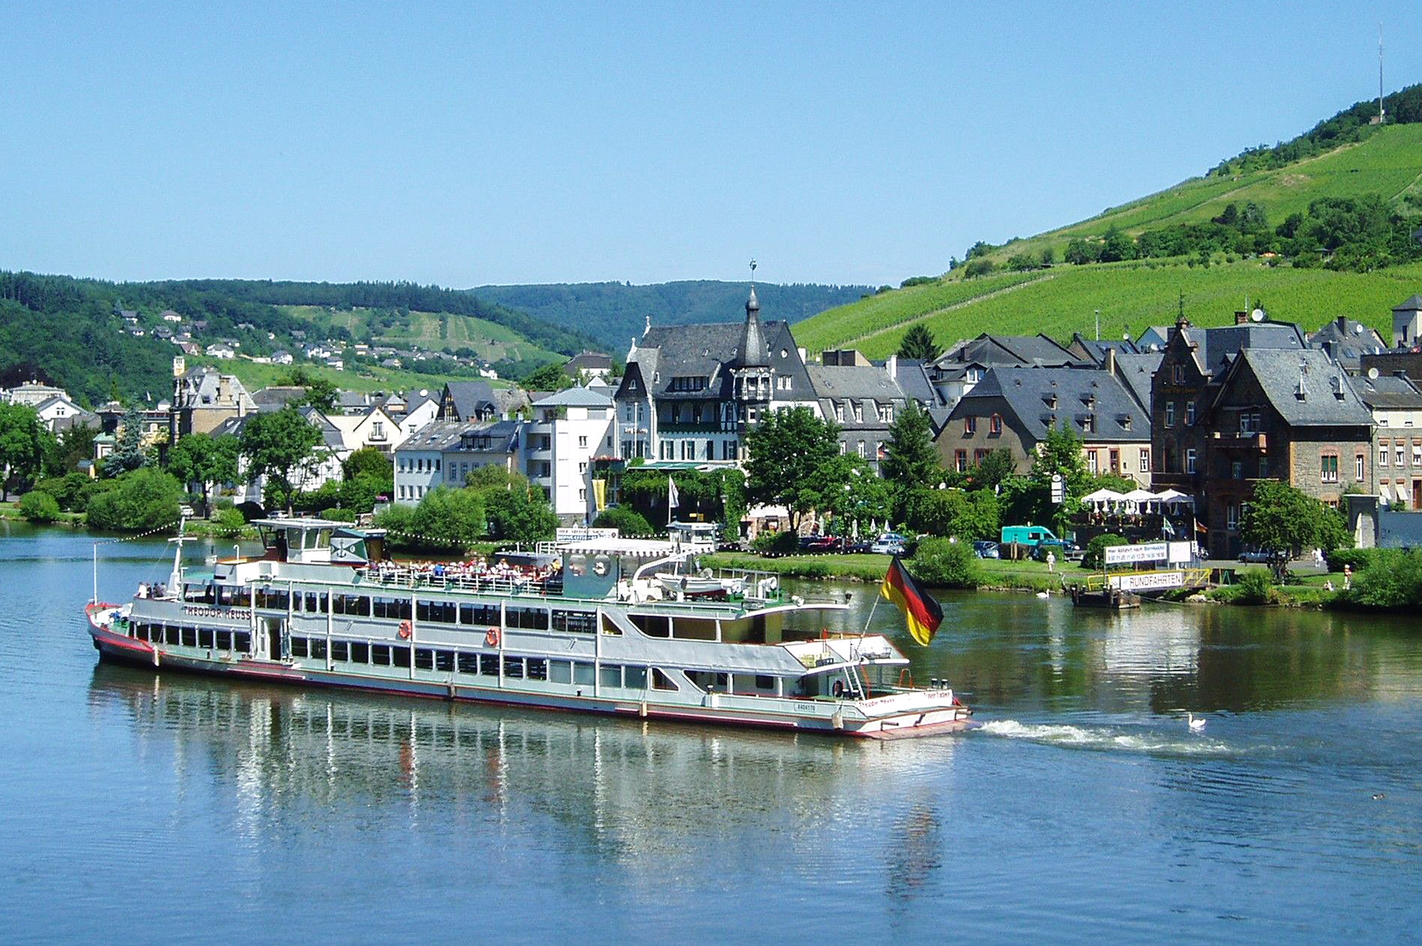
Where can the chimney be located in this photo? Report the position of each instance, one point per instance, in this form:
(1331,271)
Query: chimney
(1240,317)
(1111,362)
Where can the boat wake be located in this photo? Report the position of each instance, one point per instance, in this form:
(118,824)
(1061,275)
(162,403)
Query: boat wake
(1103,739)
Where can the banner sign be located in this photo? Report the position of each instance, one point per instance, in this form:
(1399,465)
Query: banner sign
(1124,554)
(1148,581)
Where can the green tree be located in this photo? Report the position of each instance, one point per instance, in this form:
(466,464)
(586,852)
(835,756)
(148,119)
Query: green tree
(39,506)
(953,512)
(22,444)
(947,564)
(320,392)
(128,452)
(628,521)
(449,519)
(910,458)
(67,450)
(279,445)
(793,461)
(519,515)
(918,344)
(863,496)
(204,459)
(549,377)
(135,502)
(993,469)
(368,461)
(1285,521)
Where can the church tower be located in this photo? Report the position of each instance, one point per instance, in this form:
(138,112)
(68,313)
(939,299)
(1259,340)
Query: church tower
(750,371)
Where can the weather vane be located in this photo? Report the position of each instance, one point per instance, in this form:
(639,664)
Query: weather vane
(752,265)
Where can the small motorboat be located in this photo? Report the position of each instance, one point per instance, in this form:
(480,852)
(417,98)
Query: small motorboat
(703,584)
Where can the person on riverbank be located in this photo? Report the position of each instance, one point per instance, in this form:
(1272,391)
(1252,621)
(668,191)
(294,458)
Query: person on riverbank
(1051,562)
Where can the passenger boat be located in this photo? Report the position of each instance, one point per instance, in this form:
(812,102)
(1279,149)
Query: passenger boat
(598,633)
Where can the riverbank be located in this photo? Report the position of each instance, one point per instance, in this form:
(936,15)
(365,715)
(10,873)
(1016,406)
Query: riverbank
(996,574)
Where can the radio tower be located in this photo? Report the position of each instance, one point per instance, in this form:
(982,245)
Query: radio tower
(1382,114)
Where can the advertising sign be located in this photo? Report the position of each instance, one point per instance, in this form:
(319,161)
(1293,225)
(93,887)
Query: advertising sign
(1126,554)
(1149,581)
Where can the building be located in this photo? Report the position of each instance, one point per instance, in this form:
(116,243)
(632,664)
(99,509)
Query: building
(1396,405)
(203,398)
(58,411)
(220,350)
(690,392)
(955,372)
(420,409)
(1346,340)
(33,393)
(1407,323)
(444,453)
(588,366)
(862,399)
(479,400)
(372,427)
(1278,414)
(568,430)
(282,357)
(1013,409)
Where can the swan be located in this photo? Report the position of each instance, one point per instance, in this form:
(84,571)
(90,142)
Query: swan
(1043,594)
(1196,725)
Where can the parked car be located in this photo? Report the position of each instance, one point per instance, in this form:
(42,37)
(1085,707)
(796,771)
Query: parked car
(986,549)
(1027,535)
(823,544)
(1061,548)
(890,543)
(1256,556)
(863,545)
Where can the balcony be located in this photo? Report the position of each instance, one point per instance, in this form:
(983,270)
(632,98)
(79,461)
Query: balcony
(1256,440)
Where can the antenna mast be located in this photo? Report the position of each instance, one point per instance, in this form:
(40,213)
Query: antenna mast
(1382,113)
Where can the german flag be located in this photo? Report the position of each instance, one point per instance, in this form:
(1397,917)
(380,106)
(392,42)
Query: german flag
(923,613)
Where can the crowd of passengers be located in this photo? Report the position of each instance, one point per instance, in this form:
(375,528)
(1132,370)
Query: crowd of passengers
(476,571)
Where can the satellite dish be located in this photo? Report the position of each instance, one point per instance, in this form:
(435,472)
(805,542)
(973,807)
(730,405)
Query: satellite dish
(1257,315)
(1358,330)
(1373,374)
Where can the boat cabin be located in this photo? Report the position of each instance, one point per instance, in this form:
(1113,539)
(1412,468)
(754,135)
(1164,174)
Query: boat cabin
(320,541)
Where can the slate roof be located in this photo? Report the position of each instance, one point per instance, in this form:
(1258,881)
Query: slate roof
(589,361)
(913,380)
(439,435)
(1096,349)
(867,384)
(1411,304)
(706,350)
(1388,392)
(1218,345)
(1028,393)
(1008,350)
(330,433)
(575,397)
(1136,372)
(276,397)
(471,398)
(1328,400)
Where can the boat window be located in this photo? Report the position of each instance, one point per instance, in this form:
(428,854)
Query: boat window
(489,665)
(694,629)
(444,660)
(424,658)
(513,667)
(298,646)
(660,681)
(380,655)
(318,648)
(441,612)
(360,653)
(583,673)
(478,614)
(272,598)
(468,663)
(340,650)
(352,604)
(764,682)
(560,671)
(634,678)
(535,618)
(400,656)
(610,675)
(537,668)
(189,637)
(609,628)
(204,637)
(653,625)
(709,680)
(392,608)
(170,634)
(224,640)
(242,642)
(575,622)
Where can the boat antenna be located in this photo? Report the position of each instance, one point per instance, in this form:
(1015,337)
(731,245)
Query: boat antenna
(175,578)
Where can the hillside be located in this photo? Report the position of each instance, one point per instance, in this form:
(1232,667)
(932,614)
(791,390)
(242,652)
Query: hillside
(613,312)
(429,331)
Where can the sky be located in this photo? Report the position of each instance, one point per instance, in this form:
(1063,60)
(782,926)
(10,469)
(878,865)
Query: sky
(470,143)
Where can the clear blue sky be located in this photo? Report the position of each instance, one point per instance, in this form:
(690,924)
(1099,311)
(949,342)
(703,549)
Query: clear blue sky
(470,143)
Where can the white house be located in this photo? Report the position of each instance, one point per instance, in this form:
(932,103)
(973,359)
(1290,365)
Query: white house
(372,427)
(57,408)
(220,350)
(420,409)
(569,429)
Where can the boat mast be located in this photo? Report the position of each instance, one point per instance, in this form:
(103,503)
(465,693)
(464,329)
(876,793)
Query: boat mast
(175,579)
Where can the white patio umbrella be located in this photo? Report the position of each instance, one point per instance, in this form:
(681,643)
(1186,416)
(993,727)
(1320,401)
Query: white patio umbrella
(1103,497)
(1137,498)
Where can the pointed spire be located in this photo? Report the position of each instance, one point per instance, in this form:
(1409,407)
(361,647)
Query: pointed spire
(752,352)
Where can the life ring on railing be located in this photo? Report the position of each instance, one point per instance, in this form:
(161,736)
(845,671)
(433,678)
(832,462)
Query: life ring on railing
(405,629)
(491,637)
(838,688)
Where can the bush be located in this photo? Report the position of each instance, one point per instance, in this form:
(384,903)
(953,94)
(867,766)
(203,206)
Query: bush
(229,523)
(1392,579)
(946,563)
(1357,559)
(1096,548)
(777,543)
(39,506)
(337,514)
(135,502)
(1255,586)
(71,490)
(628,522)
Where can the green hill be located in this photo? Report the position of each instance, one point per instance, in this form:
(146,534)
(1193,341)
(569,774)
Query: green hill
(613,312)
(430,331)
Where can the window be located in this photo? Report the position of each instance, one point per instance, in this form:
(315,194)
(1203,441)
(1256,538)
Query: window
(1091,462)
(970,425)
(583,673)
(1232,516)
(444,660)
(574,622)
(1382,455)
(424,658)
(1177,373)
(560,671)
(1360,465)
(380,654)
(205,637)
(960,460)
(1189,413)
(340,650)
(839,411)
(634,678)
(1328,467)
(242,642)
(224,640)
(1170,413)
(468,663)
(1115,461)
(1190,460)
(660,681)
(1417,454)
(489,665)
(1263,467)
(610,675)
(537,668)
(995,424)
(859,449)
(1401,458)
(400,656)
(1145,460)
(1236,470)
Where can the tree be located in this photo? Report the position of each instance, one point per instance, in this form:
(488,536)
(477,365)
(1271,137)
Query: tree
(278,445)
(793,461)
(910,458)
(953,512)
(519,515)
(918,345)
(864,497)
(1284,521)
(320,392)
(368,461)
(128,452)
(626,520)
(549,377)
(450,519)
(1080,252)
(135,502)
(204,459)
(68,449)
(22,443)
(947,564)
(990,472)
(39,506)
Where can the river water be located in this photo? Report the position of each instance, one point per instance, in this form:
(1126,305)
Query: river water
(164,807)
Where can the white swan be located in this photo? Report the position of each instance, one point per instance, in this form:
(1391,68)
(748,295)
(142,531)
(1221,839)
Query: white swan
(1196,725)
(1043,594)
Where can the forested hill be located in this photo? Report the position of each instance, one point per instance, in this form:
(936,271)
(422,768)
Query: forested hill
(613,312)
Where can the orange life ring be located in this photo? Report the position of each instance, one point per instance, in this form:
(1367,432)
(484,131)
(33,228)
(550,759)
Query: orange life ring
(405,628)
(491,637)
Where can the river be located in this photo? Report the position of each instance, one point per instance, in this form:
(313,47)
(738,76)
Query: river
(163,807)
